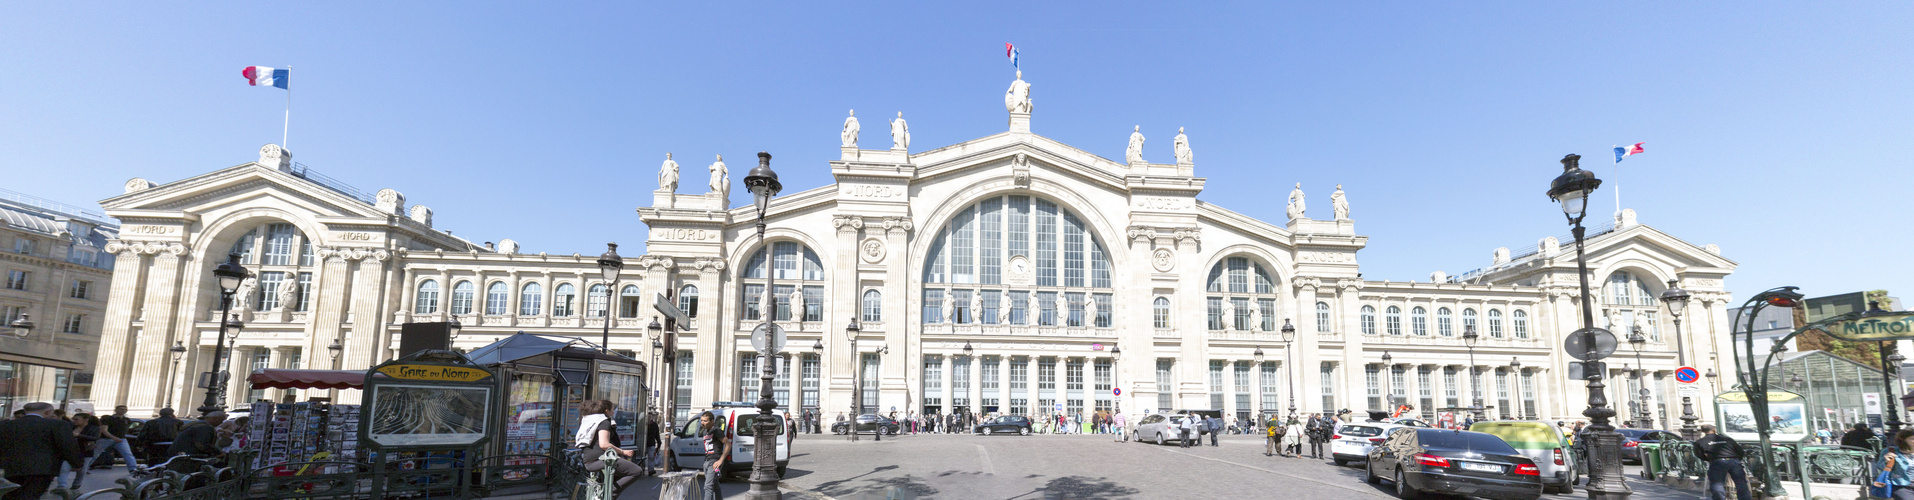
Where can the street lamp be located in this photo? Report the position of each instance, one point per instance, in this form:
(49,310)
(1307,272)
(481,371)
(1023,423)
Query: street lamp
(609,264)
(1515,368)
(1469,338)
(179,351)
(857,377)
(1289,371)
(1388,394)
(229,275)
(1677,300)
(1892,371)
(452,327)
(1258,356)
(1571,189)
(1116,367)
(1635,339)
(656,331)
(763,184)
(1753,378)
(21,326)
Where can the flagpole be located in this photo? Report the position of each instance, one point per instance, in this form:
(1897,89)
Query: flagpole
(285,133)
(1617,182)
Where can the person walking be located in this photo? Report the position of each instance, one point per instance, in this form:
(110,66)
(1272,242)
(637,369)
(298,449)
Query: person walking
(157,435)
(1293,437)
(1273,436)
(116,426)
(87,429)
(1898,462)
(33,447)
(1723,455)
(1319,429)
(1215,427)
(1120,424)
(596,435)
(712,434)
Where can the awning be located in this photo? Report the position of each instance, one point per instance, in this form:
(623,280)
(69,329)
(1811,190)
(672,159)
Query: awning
(307,379)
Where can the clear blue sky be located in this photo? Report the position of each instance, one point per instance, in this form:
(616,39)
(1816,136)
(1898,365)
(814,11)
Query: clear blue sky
(1771,127)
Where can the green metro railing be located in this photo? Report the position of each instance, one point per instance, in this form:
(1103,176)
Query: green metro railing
(486,476)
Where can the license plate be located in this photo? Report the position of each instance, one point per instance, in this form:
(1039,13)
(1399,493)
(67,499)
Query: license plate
(1481,467)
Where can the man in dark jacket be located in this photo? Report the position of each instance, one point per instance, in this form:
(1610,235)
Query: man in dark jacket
(1723,455)
(32,448)
(1215,427)
(1858,436)
(198,440)
(157,434)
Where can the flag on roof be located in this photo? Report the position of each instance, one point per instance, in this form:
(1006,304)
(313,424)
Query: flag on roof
(1011,52)
(1626,151)
(261,75)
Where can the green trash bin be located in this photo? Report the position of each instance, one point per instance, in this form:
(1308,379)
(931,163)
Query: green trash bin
(1650,454)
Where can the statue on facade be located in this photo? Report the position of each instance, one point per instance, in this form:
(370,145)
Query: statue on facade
(1229,315)
(950,305)
(1134,153)
(1063,308)
(1182,146)
(977,307)
(1256,319)
(797,305)
(851,128)
(1296,204)
(1003,307)
(721,179)
(900,133)
(1337,200)
(1090,311)
(288,294)
(668,175)
(243,298)
(1017,99)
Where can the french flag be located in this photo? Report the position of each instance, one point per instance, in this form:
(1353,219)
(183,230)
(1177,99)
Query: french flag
(261,75)
(1011,52)
(1627,151)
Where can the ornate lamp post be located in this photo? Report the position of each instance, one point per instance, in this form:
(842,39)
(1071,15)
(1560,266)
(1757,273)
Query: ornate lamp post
(1515,368)
(1289,371)
(452,327)
(1469,338)
(1892,375)
(1388,393)
(1116,368)
(857,377)
(1636,340)
(1571,189)
(21,326)
(656,331)
(179,351)
(1677,301)
(1258,356)
(763,184)
(608,266)
(1753,380)
(229,274)
(817,350)
(968,354)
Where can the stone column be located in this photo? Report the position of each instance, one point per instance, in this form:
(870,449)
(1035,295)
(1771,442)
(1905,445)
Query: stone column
(1192,360)
(1354,344)
(168,296)
(113,368)
(364,343)
(836,368)
(1308,340)
(905,340)
(717,356)
(328,312)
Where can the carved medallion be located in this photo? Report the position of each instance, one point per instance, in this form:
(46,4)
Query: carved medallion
(872,251)
(1163,260)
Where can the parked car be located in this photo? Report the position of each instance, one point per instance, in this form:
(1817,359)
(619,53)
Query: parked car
(1352,442)
(1455,462)
(688,451)
(1632,439)
(869,422)
(1008,424)
(1160,428)
(1409,422)
(1543,443)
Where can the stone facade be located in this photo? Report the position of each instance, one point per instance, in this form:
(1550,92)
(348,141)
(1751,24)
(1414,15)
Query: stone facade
(1038,256)
(55,273)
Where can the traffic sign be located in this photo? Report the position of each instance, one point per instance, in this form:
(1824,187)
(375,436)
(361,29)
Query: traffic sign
(664,306)
(768,341)
(1576,345)
(1690,391)
(1687,375)
(1116,391)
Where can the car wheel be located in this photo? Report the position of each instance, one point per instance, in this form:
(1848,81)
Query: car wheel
(1567,487)
(1023,432)
(987,431)
(1369,474)
(1403,490)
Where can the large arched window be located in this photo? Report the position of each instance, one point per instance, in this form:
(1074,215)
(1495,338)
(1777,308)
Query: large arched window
(531,300)
(1160,312)
(1521,319)
(1322,317)
(280,257)
(497,297)
(1368,320)
(1445,322)
(1495,323)
(1056,262)
(688,300)
(595,300)
(1394,319)
(795,270)
(1468,320)
(462,297)
(1419,321)
(873,306)
(562,300)
(630,301)
(1631,305)
(1239,286)
(428,298)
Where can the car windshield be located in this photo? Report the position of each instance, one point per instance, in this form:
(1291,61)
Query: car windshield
(745,422)
(1474,441)
(1359,431)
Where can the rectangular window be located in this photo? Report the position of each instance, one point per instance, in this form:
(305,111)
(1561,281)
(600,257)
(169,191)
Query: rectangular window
(1238,269)
(811,380)
(1329,385)
(1072,251)
(785,261)
(991,368)
(753,301)
(17,280)
(1019,225)
(960,300)
(1019,375)
(933,306)
(963,247)
(781,381)
(1076,307)
(1160,313)
(1019,307)
(1215,313)
(1528,393)
(80,289)
(305,252)
(1322,317)
(262,359)
(681,390)
(1241,321)
(1502,392)
(280,242)
(1103,380)
(7,315)
(1269,314)
(1654,325)
(1073,377)
(1372,376)
(990,245)
(269,283)
(813,303)
(1019,406)
(960,381)
(73,323)
(23,245)
(1103,310)
(1046,243)
(1243,388)
(1165,384)
(1272,387)
(1046,375)
(748,377)
(991,299)
(304,297)
(1216,384)
(1425,391)
(1099,266)
(781,294)
(1047,308)
(1450,387)
(1398,386)
(872,364)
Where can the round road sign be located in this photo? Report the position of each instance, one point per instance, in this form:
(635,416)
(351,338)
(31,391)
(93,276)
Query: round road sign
(768,341)
(1116,391)
(1576,344)
(1687,375)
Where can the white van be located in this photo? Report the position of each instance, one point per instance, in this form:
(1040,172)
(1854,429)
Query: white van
(687,451)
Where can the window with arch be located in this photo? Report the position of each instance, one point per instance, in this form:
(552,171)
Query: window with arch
(688,300)
(966,267)
(1445,322)
(497,298)
(595,300)
(1521,320)
(1322,317)
(1468,319)
(1419,321)
(1631,305)
(1394,319)
(1244,286)
(280,256)
(562,297)
(1368,320)
(1625,289)
(873,306)
(462,295)
(531,300)
(1495,323)
(428,298)
(794,270)
(1160,312)
(630,301)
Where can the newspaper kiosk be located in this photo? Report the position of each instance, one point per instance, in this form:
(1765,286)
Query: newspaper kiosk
(543,380)
(425,416)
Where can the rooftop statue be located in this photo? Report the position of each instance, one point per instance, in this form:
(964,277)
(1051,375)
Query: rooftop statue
(851,128)
(668,175)
(1134,153)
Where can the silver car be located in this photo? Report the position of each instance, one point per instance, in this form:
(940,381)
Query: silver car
(1160,428)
